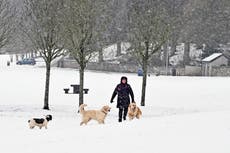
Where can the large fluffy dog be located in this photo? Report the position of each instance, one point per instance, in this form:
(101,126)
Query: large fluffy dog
(134,111)
(98,115)
(40,122)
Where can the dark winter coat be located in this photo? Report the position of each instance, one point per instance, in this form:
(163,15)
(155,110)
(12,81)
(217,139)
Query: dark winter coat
(123,91)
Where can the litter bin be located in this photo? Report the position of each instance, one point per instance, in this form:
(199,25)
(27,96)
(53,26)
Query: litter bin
(173,72)
(140,72)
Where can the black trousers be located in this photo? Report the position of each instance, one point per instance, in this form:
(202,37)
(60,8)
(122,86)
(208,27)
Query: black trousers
(122,113)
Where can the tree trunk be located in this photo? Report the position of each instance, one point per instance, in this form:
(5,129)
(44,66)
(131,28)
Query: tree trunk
(16,57)
(81,96)
(118,48)
(165,52)
(144,81)
(173,45)
(145,71)
(101,55)
(46,99)
(165,62)
(32,54)
(186,53)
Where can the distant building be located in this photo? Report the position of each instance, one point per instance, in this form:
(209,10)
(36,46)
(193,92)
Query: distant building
(214,60)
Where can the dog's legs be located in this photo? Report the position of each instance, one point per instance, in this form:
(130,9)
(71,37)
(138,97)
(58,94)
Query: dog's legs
(85,120)
(45,125)
(101,122)
(82,122)
(130,117)
(138,116)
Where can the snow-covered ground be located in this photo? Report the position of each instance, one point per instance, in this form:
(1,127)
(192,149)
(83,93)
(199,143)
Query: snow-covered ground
(182,114)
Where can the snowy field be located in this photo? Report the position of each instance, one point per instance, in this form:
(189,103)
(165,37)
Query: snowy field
(182,114)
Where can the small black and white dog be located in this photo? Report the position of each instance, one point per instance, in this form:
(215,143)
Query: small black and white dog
(40,122)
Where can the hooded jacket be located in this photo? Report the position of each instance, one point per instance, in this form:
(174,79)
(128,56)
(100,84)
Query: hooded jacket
(123,90)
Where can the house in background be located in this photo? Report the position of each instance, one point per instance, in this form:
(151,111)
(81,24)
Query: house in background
(214,60)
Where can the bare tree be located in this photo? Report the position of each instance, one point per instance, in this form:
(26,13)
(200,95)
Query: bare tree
(41,26)
(6,22)
(148,32)
(79,24)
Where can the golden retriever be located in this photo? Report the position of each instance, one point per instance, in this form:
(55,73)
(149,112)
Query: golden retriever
(98,115)
(134,111)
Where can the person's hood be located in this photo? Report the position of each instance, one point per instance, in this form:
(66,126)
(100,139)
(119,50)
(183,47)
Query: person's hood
(124,78)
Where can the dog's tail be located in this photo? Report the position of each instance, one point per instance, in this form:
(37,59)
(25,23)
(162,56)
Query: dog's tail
(81,108)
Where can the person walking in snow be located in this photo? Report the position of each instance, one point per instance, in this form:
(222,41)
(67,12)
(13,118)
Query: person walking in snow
(123,90)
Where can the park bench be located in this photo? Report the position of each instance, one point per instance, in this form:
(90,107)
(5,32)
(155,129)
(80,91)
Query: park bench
(76,89)
(66,90)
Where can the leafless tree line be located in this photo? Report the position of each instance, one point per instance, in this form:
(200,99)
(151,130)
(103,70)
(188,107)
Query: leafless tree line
(82,27)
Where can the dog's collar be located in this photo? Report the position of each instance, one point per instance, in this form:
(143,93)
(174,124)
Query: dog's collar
(104,112)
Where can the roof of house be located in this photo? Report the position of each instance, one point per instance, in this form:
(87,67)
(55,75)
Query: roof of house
(212,57)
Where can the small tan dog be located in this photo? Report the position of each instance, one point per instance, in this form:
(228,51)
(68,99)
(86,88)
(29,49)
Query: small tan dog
(98,115)
(40,122)
(134,111)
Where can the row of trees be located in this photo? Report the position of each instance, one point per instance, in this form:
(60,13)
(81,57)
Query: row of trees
(83,27)
(57,27)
